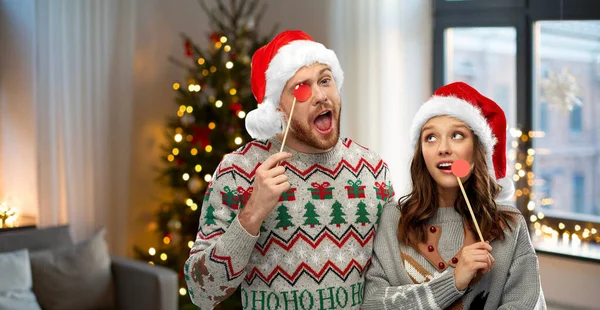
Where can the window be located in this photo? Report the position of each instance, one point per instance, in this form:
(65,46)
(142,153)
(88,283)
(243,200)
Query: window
(578,190)
(545,190)
(539,60)
(576,119)
(563,58)
(485,58)
(543,119)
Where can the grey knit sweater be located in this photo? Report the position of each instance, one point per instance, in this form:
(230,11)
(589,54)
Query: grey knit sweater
(402,277)
(313,249)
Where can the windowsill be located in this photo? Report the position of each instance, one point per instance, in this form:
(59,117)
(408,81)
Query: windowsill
(557,215)
(585,251)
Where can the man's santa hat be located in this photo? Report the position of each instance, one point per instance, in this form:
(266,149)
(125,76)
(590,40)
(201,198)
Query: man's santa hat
(272,66)
(485,118)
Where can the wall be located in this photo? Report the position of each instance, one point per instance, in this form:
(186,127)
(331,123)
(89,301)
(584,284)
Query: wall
(569,284)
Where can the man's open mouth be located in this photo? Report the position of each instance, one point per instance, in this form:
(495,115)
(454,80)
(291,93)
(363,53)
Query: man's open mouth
(324,121)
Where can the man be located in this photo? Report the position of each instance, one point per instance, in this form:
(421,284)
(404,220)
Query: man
(294,228)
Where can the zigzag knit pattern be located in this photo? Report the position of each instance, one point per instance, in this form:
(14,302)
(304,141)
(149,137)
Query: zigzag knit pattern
(314,247)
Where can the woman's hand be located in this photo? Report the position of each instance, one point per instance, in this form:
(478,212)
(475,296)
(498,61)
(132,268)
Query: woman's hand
(473,258)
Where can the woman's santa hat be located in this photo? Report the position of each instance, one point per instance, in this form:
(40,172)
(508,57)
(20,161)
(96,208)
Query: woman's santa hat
(485,118)
(272,66)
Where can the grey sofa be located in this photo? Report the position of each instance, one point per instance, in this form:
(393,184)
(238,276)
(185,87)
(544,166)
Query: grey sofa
(138,285)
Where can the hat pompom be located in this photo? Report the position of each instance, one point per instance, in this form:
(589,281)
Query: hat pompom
(508,191)
(264,122)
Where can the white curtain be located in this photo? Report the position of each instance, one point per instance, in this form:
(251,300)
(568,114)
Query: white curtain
(385,49)
(83,83)
(18,159)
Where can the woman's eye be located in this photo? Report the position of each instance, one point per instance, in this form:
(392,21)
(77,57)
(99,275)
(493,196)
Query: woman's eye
(325,81)
(430,138)
(457,135)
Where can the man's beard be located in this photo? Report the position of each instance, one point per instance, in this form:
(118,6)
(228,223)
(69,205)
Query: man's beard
(302,132)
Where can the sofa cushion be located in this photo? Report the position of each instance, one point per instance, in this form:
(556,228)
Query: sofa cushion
(15,287)
(35,239)
(74,277)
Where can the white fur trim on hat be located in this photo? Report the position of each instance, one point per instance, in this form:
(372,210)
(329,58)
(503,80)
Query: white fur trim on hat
(265,122)
(508,191)
(472,117)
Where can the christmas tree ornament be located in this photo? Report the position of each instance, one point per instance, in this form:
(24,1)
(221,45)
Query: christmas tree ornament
(245,59)
(152,226)
(235,107)
(208,91)
(188,48)
(179,195)
(249,24)
(194,184)
(174,225)
(175,237)
(201,136)
(560,90)
(215,37)
(187,119)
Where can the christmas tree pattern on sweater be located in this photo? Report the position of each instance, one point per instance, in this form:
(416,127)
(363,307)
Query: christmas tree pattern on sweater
(319,235)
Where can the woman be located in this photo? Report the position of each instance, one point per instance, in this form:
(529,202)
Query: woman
(427,252)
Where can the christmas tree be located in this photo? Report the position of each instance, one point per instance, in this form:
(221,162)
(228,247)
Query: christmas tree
(210,217)
(283,217)
(207,123)
(362,214)
(337,215)
(311,215)
(379,210)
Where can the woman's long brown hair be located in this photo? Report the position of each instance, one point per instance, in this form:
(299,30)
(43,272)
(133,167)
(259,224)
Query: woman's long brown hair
(422,202)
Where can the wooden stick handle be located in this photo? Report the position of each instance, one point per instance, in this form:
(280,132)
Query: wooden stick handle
(470,209)
(287,128)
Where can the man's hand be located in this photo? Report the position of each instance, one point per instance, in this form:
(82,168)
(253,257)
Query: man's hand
(473,258)
(269,183)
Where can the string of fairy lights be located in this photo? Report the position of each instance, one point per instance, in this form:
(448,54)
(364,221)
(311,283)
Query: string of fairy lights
(555,231)
(183,110)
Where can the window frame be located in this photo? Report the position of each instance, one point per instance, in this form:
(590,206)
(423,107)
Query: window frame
(520,14)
